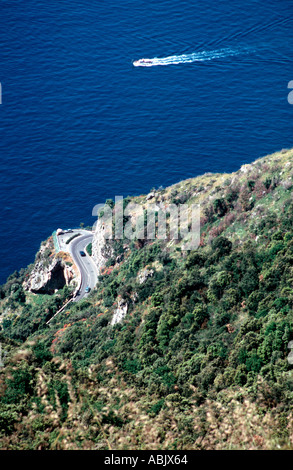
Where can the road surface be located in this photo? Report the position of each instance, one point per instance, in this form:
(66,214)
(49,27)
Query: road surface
(85,264)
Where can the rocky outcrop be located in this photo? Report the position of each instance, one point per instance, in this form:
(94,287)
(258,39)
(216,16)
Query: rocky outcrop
(102,251)
(49,274)
(47,278)
(144,274)
(120,311)
(150,196)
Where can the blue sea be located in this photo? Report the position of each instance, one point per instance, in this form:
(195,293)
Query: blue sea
(80,124)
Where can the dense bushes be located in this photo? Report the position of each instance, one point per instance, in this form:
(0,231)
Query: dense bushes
(205,322)
(33,316)
(198,314)
(191,331)
(19,386)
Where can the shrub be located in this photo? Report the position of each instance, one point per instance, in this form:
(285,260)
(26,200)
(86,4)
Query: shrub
(221,246)
(72,238)
(220,207)
(19,386)
(89,249)
(156,408)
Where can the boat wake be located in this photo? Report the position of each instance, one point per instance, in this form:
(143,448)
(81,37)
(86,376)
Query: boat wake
(188,58)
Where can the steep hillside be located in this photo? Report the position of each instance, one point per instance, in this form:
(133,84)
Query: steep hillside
(174,349)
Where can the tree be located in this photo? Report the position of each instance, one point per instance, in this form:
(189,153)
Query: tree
(220,207)
(221,246)
(19,386)
(41,353)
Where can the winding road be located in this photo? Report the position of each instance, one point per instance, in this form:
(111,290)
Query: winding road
(85,264)
(74,242)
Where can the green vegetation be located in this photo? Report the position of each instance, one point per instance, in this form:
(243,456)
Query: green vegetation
(72,238)
(200,359)
(89,249)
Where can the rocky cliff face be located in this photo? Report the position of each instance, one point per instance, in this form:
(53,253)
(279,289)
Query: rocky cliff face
(120,311)
(50,272)
(101,248)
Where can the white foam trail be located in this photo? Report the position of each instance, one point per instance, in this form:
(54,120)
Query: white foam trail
(188,58)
